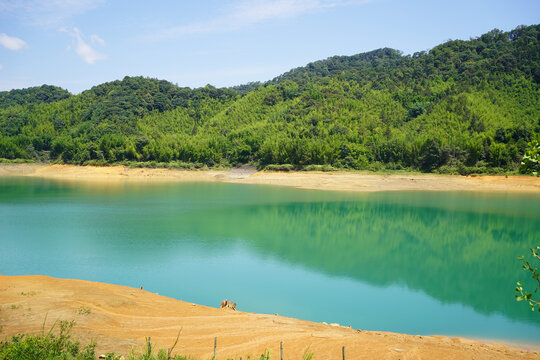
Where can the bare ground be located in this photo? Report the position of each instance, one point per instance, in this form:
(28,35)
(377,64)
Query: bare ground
(120,318)
(340,180)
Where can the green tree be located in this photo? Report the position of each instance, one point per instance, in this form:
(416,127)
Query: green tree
(524,295)
(530,164)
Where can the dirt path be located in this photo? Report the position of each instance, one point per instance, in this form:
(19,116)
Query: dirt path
(120,317)
(339,180)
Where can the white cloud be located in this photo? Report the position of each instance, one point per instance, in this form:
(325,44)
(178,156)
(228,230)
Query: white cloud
(11,42)
(244,13)
(1,67)
(97,40)
(86,52)
(46,12)
(259,10)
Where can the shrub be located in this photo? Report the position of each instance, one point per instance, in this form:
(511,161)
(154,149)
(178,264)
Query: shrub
(48,346)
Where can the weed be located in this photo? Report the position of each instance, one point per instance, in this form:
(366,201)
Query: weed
(308,354)
(57,344)
(111,356)
(162,354)
(46,346)
(265,356)
(84,310)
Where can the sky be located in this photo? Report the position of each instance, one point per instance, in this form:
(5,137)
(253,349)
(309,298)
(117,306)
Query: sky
(77,44)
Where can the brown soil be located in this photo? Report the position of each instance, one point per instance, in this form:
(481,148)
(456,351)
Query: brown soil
(120,317)
(340,180)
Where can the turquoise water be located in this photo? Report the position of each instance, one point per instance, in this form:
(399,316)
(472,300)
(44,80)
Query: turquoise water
(412,262)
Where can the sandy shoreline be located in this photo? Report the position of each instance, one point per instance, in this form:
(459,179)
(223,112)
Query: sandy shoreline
(338,181)
(120,317)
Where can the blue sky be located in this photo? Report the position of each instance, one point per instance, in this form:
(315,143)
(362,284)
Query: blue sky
(77,44)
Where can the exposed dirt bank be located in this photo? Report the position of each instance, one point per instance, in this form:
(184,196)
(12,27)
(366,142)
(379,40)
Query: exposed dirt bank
(341,180)
(120,317)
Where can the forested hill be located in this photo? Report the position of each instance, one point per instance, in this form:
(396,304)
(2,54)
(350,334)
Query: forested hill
(516,52)
(463,106)
(34,95)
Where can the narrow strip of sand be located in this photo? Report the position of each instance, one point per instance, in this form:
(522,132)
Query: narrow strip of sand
(120,318)
(339,180)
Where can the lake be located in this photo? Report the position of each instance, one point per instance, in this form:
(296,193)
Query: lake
(410,262)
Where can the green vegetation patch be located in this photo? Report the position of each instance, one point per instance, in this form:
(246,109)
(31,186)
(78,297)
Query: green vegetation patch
(463,107)
(46,346)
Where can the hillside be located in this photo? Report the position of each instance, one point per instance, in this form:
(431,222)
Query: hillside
(463,106)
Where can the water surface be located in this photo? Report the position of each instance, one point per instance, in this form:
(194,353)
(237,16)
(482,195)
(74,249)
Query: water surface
(411,262)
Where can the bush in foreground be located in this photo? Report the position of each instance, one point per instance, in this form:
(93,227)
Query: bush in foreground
(47,346)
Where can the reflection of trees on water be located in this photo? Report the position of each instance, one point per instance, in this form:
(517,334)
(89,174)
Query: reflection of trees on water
(465,257)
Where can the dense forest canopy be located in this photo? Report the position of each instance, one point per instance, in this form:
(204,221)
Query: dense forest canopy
(34,95)
(463,106)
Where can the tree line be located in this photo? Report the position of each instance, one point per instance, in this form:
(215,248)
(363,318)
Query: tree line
(464,106)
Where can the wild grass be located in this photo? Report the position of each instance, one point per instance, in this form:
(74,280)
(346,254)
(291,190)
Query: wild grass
(46,346)
(84,310)
(57,344)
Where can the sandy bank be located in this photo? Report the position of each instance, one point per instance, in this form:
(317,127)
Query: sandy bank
(120,317)
(341,180)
